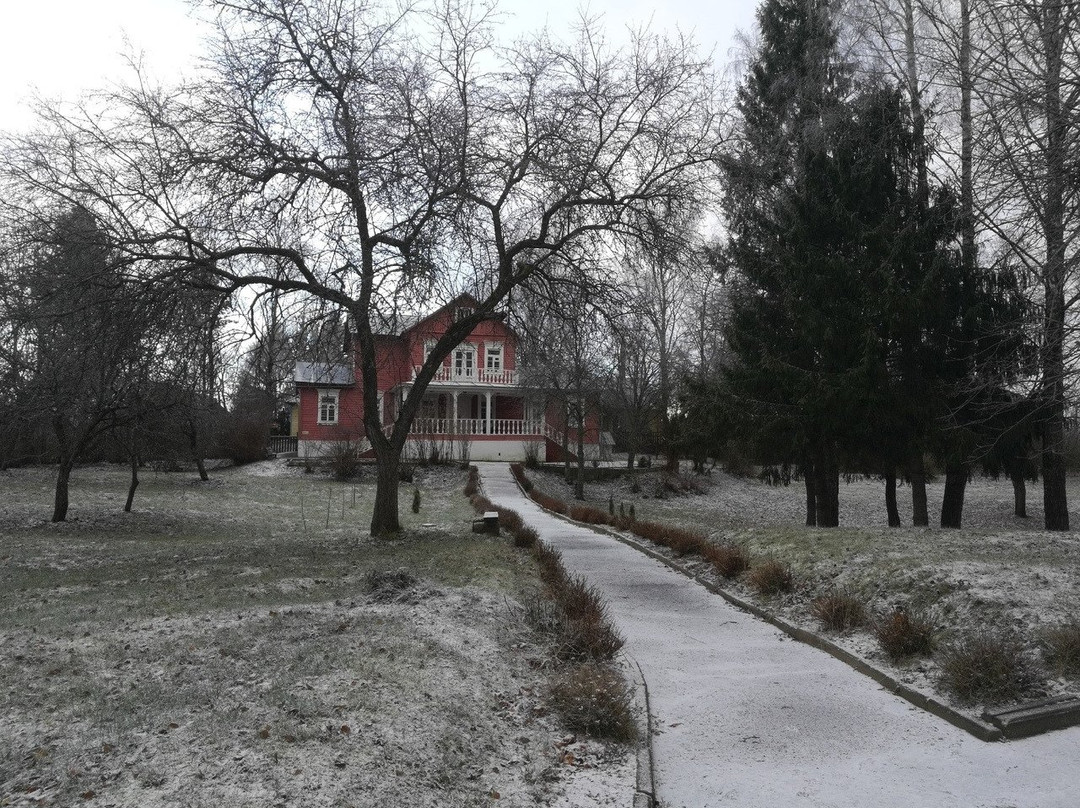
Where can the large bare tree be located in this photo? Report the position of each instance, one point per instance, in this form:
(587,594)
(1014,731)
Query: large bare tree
(379,157)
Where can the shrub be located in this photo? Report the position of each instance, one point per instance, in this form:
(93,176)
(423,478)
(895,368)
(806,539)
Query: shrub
(589,515)
(729,560)
(343,459)
(1061,647)
(989,668)
(595,699)
(525,537)
(839,611)
(904,634)
(510,519)
(406,472)
(389,586)
(770,577)
(472,484)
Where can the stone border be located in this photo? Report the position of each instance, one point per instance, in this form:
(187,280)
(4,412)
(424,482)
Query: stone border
(645,786)
(982,730)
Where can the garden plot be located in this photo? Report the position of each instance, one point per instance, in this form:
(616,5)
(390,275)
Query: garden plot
(244,642)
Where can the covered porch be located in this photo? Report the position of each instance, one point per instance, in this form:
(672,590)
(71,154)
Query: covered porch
(476,413)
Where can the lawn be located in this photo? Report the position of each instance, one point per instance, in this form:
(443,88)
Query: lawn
(229,643)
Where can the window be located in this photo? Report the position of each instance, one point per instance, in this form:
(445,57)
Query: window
(493,357)
(328,406)
(465,363)
(461,313)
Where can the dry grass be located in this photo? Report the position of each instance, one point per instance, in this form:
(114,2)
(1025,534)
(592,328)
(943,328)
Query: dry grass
(729,560)
(839,611)
(770,577)
(904,634)
(1061,648)
(596,700)
(989,668)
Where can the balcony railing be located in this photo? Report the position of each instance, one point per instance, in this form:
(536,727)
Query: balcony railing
(500,377)
(464,427)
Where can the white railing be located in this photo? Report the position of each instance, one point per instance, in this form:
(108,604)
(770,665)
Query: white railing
(475,426)
(508,378)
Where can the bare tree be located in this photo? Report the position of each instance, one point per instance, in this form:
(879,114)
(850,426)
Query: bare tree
(379,158)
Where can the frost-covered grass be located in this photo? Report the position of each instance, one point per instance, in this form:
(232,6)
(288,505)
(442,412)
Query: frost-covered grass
(221,645)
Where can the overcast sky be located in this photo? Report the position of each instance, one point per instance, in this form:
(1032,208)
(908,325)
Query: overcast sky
(61,47)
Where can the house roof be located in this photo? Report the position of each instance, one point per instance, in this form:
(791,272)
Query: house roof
(330,375)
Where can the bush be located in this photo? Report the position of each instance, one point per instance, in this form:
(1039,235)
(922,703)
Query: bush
(595,699)
(770,577)
(989,668)
(472,484)
(839,611)
(729,560)
(904,634)
(343,459)
(589,515)
(526,537)
(1061,647)
(406,472)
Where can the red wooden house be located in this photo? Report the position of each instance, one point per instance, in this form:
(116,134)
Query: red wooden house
(475,408)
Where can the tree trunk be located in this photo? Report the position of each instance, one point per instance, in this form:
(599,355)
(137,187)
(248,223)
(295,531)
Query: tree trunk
(579,484)
(891,510)
(384,518)
(1019,493)
(134,482)
(193,443)
(827,491)
(811,500)
(1055,501)
(952,501)
(63,478)
(920,516)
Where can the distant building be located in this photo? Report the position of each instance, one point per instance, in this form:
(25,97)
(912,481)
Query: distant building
(475,408)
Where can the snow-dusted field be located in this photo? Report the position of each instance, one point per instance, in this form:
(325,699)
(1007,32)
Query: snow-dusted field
(220,646)
(998,572)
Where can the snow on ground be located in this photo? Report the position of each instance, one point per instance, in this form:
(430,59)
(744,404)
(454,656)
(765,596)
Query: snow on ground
(222,646)
(999,572)
(746,717)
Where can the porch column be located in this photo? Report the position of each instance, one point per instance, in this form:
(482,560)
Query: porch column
(488,430)
(454,423)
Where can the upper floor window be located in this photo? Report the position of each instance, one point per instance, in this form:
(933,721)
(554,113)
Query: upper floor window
(493,357)
(328,406)
(461,312)
(465,362)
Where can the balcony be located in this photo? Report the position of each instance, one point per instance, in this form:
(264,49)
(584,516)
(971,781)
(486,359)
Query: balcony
(473,376)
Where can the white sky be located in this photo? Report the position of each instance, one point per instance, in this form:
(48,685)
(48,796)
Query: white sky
(61,47)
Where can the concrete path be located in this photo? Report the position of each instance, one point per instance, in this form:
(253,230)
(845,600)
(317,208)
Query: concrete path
(748,717)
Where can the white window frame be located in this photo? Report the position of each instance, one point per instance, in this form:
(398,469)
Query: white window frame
(464,369)
(497,347)
(329,407)
(461,312)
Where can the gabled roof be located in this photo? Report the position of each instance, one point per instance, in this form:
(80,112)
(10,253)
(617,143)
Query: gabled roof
(323,373)
(463,299)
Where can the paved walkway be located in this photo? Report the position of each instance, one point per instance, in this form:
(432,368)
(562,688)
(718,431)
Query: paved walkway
(749,717)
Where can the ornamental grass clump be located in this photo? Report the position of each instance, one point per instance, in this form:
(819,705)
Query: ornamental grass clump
(525,537)
(903,634)
(770,577)
(595,699)
(729,560)
(839,611)
(1061,648)
(989,668)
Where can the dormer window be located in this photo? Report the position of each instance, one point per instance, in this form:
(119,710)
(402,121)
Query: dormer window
(461,312)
